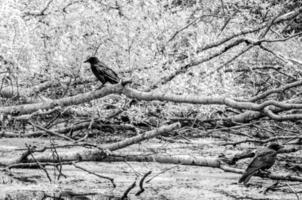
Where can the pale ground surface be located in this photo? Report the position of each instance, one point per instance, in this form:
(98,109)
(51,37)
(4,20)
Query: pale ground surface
(176,181)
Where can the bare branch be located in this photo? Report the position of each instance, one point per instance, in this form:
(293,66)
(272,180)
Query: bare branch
(52,132)
(141,182)
(98,175)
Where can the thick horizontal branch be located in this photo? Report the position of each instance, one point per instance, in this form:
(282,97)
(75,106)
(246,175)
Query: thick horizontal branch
(261,109)
(204,100)
(32,94)
(187,160)
(27,94)
(181,160)
(67,101)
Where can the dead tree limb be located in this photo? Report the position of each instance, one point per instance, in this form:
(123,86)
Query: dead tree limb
(98,154)
(98,175)
(25,93)
(141,137)
(125,195)
(141,183)
(187,160)
(67,101)
(262,108)
(52,132)
(275,90)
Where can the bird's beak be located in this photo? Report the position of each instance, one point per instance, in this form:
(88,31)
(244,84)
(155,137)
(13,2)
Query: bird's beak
(86,61)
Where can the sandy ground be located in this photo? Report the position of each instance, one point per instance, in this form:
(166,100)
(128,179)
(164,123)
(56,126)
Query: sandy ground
(169,182)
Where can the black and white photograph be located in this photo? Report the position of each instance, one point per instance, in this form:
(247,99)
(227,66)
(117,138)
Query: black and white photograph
(150,100)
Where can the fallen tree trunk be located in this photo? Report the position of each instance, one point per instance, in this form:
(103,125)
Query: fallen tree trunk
(187,160)
(168,159)
(95,154)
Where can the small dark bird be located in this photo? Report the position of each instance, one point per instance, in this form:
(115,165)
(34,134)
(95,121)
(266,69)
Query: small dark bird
(264,159)
(102,71)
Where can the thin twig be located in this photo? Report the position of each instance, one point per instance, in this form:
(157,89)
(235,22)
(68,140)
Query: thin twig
(58,158)
(100,176)
(51,132)
(164,171)
(39,164)
(124,196)
(292,189)
(141,182)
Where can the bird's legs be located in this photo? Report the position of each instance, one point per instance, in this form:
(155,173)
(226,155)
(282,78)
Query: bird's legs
(125,82)
(100,87)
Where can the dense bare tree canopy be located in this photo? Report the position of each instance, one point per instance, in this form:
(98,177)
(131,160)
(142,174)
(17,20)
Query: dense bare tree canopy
(205,83)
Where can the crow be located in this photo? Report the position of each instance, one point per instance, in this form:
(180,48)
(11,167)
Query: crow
(102,71)
(264,159)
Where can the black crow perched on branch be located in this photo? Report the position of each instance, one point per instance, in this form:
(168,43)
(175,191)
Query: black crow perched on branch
(264,159)
(102,71)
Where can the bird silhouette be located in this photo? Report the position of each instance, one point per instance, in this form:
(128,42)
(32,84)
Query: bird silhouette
(263,160)
(102,71)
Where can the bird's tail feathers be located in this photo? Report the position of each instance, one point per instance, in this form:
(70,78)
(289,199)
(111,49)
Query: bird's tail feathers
(246,177)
